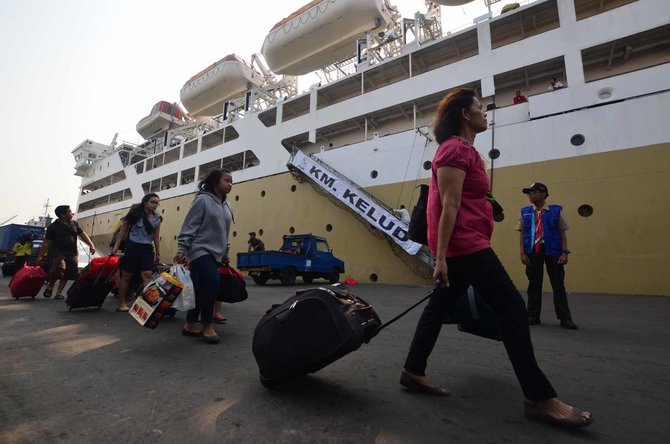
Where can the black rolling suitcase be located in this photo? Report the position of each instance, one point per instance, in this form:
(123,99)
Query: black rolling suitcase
(310,330)
(89,292)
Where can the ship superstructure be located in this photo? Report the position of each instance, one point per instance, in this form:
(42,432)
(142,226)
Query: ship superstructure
(601,142)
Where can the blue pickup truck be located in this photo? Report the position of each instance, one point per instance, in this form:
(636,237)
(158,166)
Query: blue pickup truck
(302,255)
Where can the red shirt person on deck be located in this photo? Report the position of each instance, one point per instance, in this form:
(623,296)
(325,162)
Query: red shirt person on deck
(519,98)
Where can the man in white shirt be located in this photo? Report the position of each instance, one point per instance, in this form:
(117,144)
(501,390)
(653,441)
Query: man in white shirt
(554,84)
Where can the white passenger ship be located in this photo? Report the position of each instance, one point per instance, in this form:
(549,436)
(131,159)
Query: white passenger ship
(601,143)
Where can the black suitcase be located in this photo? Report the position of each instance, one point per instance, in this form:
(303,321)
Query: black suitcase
(84,293)
(310,330)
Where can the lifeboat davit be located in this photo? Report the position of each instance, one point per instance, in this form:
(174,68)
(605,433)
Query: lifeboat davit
(164,115)
(321,32)
(205,93)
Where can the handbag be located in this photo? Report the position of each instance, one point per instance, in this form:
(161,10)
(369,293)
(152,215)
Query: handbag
(418,224)
(232,287)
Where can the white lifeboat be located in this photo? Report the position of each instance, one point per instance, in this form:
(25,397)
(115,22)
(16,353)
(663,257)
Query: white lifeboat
(205,93)
(164,115)
(321,32)
(452,2)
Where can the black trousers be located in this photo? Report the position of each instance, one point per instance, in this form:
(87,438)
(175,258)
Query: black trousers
(484,271)
(535,273)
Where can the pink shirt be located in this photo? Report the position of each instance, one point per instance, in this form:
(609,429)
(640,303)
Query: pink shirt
(474,220)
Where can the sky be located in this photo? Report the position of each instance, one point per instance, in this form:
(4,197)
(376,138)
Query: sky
(86,69)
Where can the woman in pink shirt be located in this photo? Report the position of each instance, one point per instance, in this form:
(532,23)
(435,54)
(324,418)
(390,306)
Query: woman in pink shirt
(460,225)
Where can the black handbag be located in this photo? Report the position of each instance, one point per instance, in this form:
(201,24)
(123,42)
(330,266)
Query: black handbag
(232,287)
(418,224)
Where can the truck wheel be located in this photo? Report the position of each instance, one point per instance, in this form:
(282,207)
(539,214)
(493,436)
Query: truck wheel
(260,279)
(288,276)
(308,279)
(334,276)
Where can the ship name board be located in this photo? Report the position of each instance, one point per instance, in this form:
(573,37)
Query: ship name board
(356,199)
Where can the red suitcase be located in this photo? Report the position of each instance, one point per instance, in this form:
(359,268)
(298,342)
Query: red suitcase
(27,282)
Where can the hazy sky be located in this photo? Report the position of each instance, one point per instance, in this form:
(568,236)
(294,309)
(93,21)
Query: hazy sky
(72,70)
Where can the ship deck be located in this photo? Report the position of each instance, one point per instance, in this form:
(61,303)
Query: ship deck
(97,376)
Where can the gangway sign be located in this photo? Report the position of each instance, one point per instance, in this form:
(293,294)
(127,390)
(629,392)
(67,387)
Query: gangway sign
(354,197)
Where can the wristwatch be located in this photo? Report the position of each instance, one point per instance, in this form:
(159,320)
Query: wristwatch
(566,251)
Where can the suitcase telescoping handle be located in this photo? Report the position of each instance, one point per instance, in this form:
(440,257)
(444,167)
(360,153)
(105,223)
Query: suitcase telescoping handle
(410,308)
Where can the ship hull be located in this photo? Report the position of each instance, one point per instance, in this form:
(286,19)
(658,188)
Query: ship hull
(613,250)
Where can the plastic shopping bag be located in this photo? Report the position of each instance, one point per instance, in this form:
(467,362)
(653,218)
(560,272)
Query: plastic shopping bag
(186,299)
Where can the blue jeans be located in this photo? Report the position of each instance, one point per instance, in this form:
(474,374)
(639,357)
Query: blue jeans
(486,274)
(205,284)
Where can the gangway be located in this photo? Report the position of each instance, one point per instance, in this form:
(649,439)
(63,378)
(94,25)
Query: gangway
(363,204)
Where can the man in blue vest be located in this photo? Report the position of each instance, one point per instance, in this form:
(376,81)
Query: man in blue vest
(543,243)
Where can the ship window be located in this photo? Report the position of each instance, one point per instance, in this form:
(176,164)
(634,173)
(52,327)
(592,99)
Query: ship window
(234,233)
(155,186)
(268,117)
(190,148)
(237,198)
(530,80)
(339,91)
(374,174)
(150,164)
(577,140)
(374,277)
(295,108)
(585,210)
(146,186)
(158,161)
(207,168)
(291,230)
(230,134)
(523,23)
(329,228)
(588,8)
(452,49)
(212,140)
(293,188)
(260,232)
(187,176)
(171,156)
(263,193)
(168,182)
(427,165)
(627,54)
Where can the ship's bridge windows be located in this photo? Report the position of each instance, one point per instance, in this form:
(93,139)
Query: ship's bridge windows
(589,8)
(449,50)
(212,139)
(190,148)
(386,73)
(338,91)
(628,54)
(530,80)
(522,23)
(268,117)
(295,108)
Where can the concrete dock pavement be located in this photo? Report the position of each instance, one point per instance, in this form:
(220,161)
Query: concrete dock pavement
(96,376)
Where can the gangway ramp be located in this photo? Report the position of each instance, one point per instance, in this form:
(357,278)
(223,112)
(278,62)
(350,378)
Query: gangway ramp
(369,209)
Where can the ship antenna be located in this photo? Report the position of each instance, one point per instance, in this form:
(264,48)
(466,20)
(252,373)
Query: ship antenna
(46,208)
(494,153)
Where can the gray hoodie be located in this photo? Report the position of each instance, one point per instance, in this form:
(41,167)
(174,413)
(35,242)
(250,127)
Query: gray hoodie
(205,228)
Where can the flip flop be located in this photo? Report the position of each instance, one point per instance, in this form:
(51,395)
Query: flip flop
(574,421)
(412,384)
(59,296)
(123,309)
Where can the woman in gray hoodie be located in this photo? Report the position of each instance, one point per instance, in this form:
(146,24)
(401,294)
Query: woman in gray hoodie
(203,242)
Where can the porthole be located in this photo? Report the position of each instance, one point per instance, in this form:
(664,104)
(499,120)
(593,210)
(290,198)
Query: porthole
(293,188)
(374,277)
(234,233)
(329,228)
(585,210)
(494,153)
(577,139)
(160,238)
(107,220)
(499,217)
(427,165)
(263,193)
(163,211)
(260,232)
(177,208)
(605,93)
(175,237)
(374,174)
(237,198)
(291,230)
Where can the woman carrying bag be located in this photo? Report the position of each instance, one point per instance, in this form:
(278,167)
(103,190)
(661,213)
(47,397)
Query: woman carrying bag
(140,235)
(203,242)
